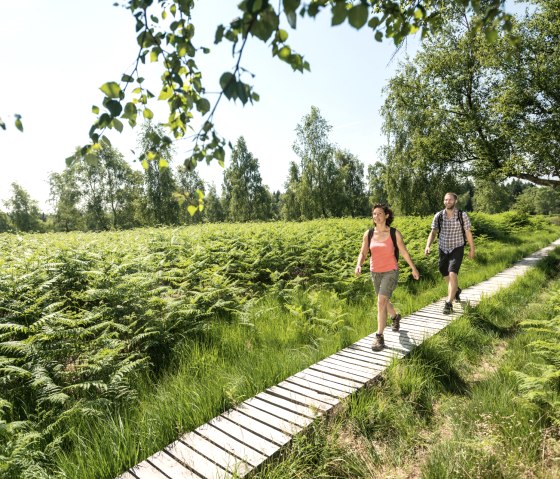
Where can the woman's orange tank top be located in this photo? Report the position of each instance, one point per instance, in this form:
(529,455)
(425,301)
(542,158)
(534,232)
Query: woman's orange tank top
(382,257)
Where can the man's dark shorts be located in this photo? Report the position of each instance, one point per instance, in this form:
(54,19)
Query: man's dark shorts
(451,262)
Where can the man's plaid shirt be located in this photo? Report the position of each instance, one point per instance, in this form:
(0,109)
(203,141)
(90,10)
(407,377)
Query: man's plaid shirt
(451,236)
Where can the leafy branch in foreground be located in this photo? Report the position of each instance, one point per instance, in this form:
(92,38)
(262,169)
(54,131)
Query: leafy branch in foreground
(165,32)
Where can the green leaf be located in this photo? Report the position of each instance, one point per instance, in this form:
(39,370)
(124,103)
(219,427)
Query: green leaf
(95,110)
(117,125)
(379,36)
(192,209)
(291,5)
(163,163)
(18,123)
(203,106)
(2,124)
(358,15)
(106,141)
(292,18)
(130,111)
(111,89)
(166,93)
(226,79)
(114,107)
(219,34)
(339,13)
(127,78)
(148,114)
(145,164)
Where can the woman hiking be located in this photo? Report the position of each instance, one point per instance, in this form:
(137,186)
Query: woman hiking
(380,242)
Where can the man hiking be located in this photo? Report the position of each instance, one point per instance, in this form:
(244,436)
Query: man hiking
(454,229)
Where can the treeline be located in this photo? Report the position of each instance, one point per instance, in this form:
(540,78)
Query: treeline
(104,192)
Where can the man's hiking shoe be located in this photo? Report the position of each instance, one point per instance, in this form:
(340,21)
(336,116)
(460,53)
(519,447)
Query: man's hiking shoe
(378,342)
(458,295)
(448,308)
(396,323)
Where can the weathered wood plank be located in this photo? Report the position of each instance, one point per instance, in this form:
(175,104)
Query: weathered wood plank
(309,392)
(258,427)
(374,361)
(351,384)
(244,448)
(172,468)
(194,461)
(127,475)
(302,421)
(215,453)
(360,364)
(317,382)
(145,470)
(299,397)
(345,368)
(328,369)
(288,404)
(286,427)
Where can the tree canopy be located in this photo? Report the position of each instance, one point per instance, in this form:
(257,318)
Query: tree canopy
(165,34)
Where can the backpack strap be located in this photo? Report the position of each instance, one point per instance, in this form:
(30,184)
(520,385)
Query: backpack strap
(393,233)
(460,214)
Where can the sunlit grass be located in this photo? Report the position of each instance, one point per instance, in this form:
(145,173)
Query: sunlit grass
(276,338)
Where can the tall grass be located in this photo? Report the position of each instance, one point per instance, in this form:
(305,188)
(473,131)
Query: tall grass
(276,337)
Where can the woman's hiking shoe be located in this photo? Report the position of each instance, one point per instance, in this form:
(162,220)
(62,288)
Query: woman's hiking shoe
(448,308)
(458,295)
(378,342)
(396,323)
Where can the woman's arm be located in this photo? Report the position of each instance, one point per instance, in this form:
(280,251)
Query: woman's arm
(363,253)
(404,252)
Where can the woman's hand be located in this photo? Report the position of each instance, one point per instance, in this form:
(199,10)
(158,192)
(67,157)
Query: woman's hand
(415,274)
(358,270)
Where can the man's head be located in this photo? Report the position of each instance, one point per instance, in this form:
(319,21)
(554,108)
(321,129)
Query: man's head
(449,200)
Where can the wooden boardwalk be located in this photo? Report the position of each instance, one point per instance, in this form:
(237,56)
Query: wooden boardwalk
(243,438)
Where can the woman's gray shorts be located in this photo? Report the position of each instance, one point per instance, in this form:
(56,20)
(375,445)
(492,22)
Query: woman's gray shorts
(385,283)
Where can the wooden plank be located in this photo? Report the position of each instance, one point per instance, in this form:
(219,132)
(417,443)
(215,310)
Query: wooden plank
(370,357)
(169,466)
(309,392)
(327,369)
(319,386)
(215,453)
(194,461)
(345,368)
(265,430)
(390,354)
(127,475)
(336,389)
(286,427)
(381,359)
(288,404)
(298,420)
(145,470)
(341,382)
(359,364)
(299,397)
(235,447)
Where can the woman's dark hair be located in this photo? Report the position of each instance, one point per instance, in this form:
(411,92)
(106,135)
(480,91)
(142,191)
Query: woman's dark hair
(387,210)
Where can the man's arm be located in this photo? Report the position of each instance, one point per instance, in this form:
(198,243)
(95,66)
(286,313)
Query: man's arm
(470,240)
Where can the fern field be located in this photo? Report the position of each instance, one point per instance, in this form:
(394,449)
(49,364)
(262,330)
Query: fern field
(85,317)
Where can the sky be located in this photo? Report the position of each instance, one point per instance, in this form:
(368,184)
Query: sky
(57,53)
